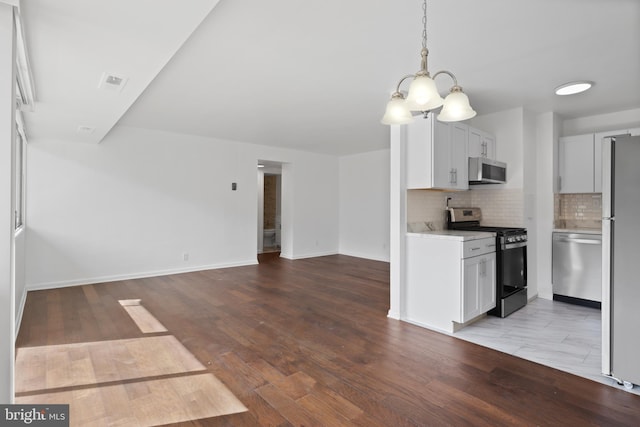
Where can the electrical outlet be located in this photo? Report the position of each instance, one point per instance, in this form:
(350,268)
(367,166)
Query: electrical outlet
(185,256)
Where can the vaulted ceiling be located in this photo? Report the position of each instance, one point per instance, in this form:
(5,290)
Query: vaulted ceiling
(315,75)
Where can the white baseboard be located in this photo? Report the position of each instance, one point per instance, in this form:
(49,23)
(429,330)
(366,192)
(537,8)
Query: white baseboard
(20,311)
(365,256)
(117,277)
(430,327)
(309,255)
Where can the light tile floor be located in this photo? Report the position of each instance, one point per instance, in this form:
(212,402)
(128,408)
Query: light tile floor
(556,334)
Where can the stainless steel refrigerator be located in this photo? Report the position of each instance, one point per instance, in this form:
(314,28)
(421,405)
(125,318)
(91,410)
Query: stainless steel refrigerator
(621,259)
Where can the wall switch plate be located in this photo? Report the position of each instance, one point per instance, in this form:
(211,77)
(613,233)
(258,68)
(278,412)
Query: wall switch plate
(234,186)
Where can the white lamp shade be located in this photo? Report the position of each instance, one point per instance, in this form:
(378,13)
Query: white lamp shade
(456,108)
(423,94)
(397,112)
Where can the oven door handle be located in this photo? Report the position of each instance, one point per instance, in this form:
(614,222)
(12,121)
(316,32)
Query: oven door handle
(514,245)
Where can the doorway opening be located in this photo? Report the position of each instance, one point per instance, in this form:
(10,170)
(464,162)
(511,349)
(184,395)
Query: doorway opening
(269,209)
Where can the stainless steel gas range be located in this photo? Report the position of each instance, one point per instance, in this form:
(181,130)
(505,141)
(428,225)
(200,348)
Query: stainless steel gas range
(511,258)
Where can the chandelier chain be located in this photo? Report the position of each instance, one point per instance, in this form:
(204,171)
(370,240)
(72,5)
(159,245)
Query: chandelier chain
(424,24)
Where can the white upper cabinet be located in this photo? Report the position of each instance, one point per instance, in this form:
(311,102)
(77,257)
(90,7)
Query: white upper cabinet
(481,144)
(576,164)
(459,155)
(437,155)
(580,161)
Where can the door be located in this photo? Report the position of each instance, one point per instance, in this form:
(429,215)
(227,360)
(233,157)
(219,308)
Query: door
(443,173)
(576,265)
(476,144)
(481,144)
(479,285)
(471,287)
(488,284)
(625,289)
(513,264)
(459,159)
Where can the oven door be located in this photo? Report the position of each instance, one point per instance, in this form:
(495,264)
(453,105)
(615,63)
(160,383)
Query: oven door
(513,266)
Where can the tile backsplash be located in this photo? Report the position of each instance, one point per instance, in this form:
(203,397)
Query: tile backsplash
(503,207)
(581,211)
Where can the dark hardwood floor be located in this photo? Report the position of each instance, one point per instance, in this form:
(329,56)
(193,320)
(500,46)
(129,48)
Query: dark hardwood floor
(308,343)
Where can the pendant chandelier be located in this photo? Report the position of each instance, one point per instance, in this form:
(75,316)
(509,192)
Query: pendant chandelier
(423,94)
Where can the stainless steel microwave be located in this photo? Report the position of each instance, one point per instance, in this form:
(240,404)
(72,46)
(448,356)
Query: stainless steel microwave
(486,171)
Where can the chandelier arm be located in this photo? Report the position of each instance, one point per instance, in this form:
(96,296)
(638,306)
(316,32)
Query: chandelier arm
(402,80)
(450,74)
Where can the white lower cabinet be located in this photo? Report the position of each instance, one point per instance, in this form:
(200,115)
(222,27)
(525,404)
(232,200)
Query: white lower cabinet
(449,280)
(479,286)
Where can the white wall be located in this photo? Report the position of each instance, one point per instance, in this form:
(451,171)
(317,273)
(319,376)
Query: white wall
(530,196)
(625,119)
(547,131)
(364,205)
(132,205)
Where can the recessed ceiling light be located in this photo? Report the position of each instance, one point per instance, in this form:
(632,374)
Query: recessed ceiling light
(573,88)
(260,166)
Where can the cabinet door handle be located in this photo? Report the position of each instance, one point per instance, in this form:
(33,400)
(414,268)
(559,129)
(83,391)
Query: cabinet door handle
(475,249)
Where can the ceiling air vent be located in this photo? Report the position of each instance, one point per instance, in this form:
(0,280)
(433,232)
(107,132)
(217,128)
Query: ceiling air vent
(86,130)
(112,82)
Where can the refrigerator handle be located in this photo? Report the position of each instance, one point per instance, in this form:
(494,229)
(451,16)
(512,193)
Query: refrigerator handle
(607,178)
(607,245)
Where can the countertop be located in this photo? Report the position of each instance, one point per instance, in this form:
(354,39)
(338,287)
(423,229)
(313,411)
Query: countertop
(459,235)
(577,230)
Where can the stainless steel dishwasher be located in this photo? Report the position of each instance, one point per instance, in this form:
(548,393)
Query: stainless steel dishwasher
(577,268)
